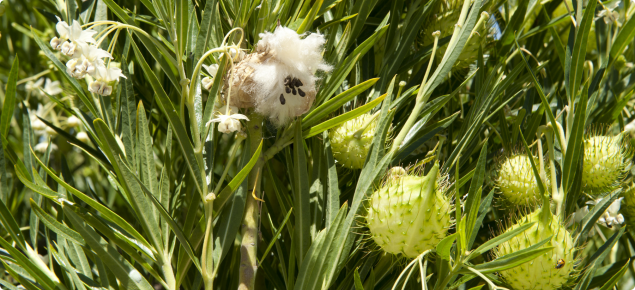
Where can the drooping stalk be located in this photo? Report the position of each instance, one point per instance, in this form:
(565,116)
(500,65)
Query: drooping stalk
(249,227)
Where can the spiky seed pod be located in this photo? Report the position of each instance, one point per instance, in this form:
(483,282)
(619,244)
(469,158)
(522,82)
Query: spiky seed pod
(516,181)
(351,141)
(605,161)
(444,19)
(409,214)
(628,204)
(547,271)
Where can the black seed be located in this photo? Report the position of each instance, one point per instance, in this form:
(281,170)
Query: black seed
(287,80)
(297,82)
(294,92)
(287,89)
(302,94)
(282,100)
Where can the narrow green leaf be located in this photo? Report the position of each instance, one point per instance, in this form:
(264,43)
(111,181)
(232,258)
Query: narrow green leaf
(105,211)
(169,111)
(128,276)
(596,260)
(302,226)
(623,38)
(317,129)
(575,146)
(275,236)
(613,281)
(575,66)
(10,96)
(335,103)
(166,216)
(56,226)
(498,240)
(515,259)
(225,193)
(127,114)
(445,245)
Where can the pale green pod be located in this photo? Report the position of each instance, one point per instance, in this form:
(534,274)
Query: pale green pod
(548,271)
(409,214)
(516,181)
(351,142)
(605,160)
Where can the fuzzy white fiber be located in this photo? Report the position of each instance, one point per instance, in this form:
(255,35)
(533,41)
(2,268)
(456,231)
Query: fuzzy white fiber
(285,54)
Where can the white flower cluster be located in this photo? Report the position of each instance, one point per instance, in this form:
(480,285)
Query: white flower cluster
(50,87)
(86,57)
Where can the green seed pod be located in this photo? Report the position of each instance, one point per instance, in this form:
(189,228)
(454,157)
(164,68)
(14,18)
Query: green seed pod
(550,270)
(351,141)
(628,204)
(516,181)
(605,162)
(444,19)
(409,214)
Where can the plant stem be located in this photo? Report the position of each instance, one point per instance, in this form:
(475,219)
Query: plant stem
(168,272)
(207,264)
(422,98)
(249,228)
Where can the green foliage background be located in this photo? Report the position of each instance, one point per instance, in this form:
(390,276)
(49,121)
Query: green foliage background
(129,208)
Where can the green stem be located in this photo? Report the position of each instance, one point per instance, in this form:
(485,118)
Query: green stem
(557,195)
(422,98)
(168,273)
(207,264)
(249,228)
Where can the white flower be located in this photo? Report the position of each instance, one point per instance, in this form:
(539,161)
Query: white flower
(41,147)
(228,123)
(50,131)
(34,87)
(52,87)
(71,36)
(611,216)
(86,60)
(38,125)
(283,79)
(82,136)
(608,13)
(207,82)
(72,121)
(105,76)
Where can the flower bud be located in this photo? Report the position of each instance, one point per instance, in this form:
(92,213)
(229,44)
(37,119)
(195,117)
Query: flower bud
(82,136)
(409,214)
(55,43)
(100,88)
(68,48)
(72,121)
